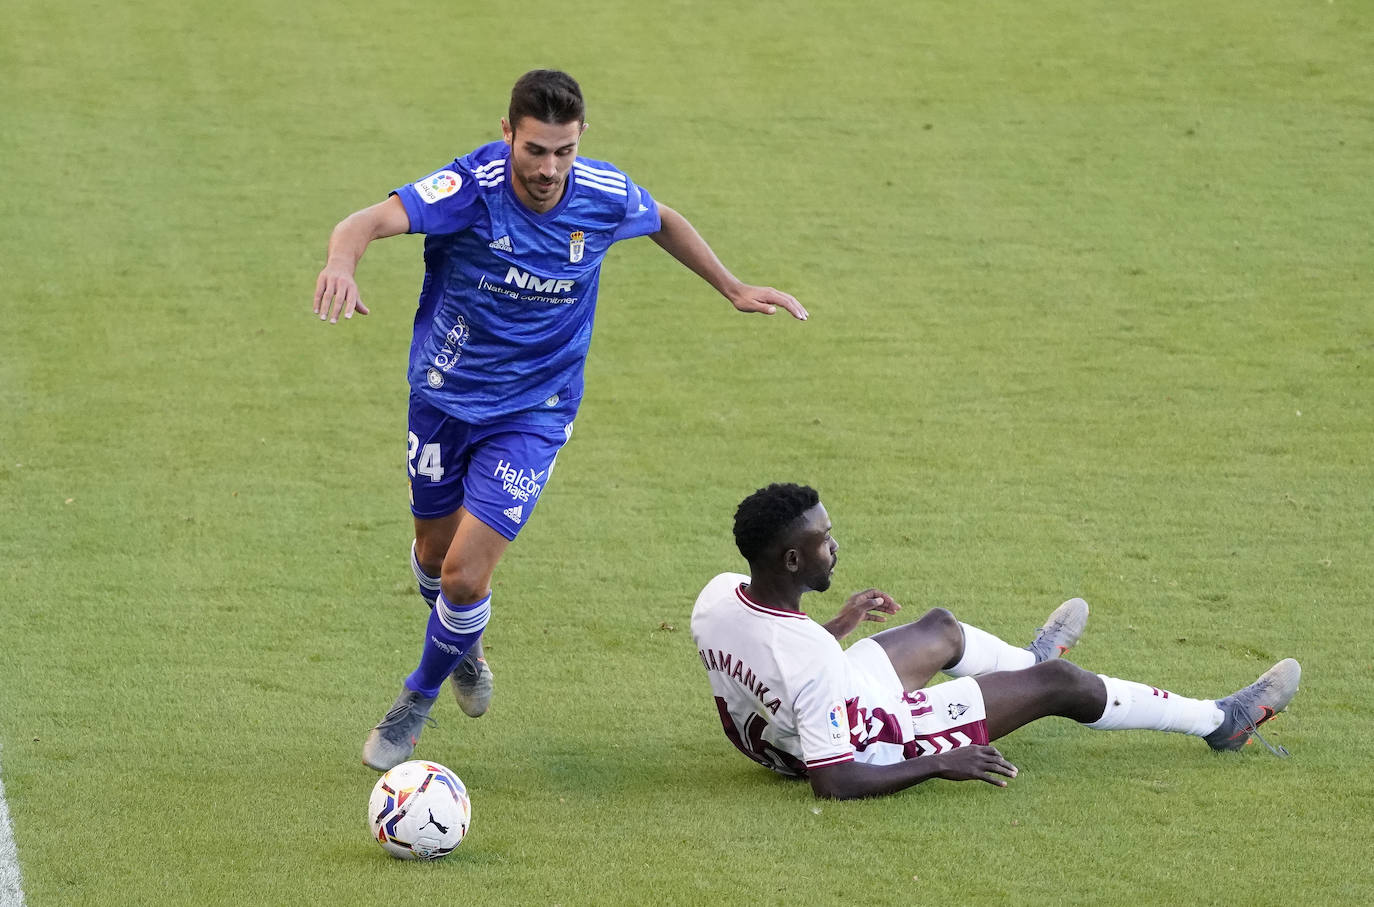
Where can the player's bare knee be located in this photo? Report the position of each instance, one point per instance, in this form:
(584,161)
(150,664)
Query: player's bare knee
(430,557)
(1069,690)
(1059,671)
(1064,676)
(430,550)
(941,620)
(462,586)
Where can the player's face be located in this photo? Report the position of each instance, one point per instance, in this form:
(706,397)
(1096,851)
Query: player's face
(815,551)
(541,154)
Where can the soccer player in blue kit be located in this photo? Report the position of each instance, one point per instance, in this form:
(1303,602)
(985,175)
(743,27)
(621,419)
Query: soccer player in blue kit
(515,233)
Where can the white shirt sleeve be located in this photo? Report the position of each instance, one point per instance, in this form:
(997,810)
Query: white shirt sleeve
(821,710)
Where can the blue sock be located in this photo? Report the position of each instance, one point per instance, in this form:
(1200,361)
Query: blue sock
(451,631)
(428,585)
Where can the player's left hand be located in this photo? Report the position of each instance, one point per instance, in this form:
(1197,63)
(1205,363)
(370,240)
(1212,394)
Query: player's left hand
(870,604)
(766,300)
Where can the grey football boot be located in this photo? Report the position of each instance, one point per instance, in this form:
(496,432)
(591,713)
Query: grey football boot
(393,740)
(1246,709)
(1062,629)
(472,682)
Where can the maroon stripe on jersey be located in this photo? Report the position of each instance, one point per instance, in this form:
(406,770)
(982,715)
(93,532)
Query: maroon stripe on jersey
(871,726)
(765,609)
(833,760)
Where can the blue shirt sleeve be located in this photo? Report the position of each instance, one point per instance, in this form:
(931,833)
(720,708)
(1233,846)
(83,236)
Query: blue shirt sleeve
(641,214)
(442,202)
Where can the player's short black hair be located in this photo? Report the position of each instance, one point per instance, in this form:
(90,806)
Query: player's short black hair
(548,95)
(764,518)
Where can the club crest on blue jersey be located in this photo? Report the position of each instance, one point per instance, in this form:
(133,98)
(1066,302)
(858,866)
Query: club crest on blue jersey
(440,185)
(576,244)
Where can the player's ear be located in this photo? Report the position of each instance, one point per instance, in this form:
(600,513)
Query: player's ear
(507,133)
(791,560)
(583,131)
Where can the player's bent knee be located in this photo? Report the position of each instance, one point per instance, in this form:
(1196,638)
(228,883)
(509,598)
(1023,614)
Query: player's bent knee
(941,619)
(463,586)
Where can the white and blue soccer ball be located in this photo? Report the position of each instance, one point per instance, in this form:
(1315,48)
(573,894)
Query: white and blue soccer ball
(419,811)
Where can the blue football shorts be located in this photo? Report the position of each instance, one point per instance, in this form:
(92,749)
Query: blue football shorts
(496,471)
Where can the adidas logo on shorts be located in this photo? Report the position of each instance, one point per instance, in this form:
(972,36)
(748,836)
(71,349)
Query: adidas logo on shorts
(501,245)
(515,513)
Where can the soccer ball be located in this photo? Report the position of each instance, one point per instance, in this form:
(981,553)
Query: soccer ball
(419,811)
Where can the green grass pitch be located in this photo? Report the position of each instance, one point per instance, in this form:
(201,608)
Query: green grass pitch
(1091,311)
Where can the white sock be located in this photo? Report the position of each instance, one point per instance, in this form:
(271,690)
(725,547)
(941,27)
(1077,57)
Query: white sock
(428,585)
(985,653)
(1132,705)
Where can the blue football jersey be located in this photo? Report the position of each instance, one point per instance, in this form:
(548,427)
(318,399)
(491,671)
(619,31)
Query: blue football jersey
(505,314)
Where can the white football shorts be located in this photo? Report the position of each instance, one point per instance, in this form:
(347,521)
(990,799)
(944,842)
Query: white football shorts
(908,724)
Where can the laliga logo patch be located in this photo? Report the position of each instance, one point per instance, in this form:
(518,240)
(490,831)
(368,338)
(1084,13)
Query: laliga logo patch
(576,244)
(435,378)
(837,722)
(440,185)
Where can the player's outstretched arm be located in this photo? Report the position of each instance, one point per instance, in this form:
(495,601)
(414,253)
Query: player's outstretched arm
(870,604)
(680,239)
(336,290)
(852,780)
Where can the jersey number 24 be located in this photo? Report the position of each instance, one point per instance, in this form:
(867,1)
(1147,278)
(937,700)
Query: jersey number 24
(428,462)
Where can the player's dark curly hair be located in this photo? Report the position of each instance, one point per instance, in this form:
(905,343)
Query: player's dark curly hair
(548,95)
(763,518)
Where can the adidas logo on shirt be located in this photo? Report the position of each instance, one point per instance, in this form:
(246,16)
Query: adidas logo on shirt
(501,245)
(515,513)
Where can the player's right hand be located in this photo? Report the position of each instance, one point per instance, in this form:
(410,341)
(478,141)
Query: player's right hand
(336,292)
(766,300)
(975,763)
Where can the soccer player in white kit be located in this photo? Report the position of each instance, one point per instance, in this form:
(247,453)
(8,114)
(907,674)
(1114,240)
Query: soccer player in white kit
(861,721)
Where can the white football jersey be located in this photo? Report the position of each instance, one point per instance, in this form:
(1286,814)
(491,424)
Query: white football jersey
(791,699)
(780,679)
